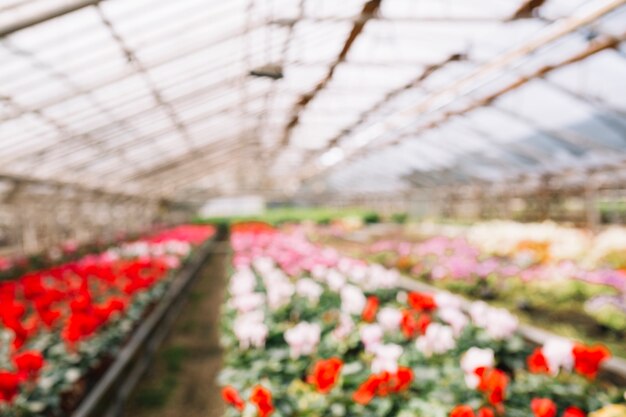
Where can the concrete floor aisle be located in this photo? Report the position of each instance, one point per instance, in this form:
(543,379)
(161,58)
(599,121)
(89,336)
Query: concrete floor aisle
(181,381)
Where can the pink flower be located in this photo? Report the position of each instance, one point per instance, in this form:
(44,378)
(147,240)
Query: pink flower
(303,338)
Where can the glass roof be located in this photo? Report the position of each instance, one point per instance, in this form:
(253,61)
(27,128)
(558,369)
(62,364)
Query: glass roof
(163,97)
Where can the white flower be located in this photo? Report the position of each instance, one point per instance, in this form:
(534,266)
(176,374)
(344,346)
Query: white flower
(303,338)
(501,324)
(390,318)
(437,339)
(309,289)
(455,318)
(263,265)
(279,293)
(479,311)
(344,328)
(473,359)
(242,282)
(558,354)
(386,359)
(447,300)
(335,280)
(371,336)
(498,322)
(250,330)
(352,300)
(244,303)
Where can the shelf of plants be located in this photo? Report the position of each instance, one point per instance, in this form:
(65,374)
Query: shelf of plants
(310,332)
(61,328)
(566,280)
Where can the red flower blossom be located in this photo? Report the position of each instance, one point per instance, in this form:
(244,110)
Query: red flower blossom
(421,301)
(9,386)
(383,384)
(587,359)
(485,412)
(574,412)
(462,411)
(369,312)
(325,374)
(493,383)
(231,396)
(537,363)
(543,407)
(409,324)
(28,364)
(262,398)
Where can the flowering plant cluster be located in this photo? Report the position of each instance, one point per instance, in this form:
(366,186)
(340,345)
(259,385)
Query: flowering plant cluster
(58,325)
(527,276)
(308,332)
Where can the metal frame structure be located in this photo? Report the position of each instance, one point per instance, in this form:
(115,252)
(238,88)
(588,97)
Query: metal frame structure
(151,103)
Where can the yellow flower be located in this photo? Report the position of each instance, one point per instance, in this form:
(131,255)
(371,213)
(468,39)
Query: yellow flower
(614,410)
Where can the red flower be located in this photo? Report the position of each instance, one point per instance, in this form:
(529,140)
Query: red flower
(485,412)
(493,382)
(537,363)
(262,398)
(409,324)
(423,322)
(369,312)
(587,359)
(231,396)
(383,384)
(325,374)
(403,378)
(9,386)
(543,407)
(420,301)
(367,390)
(462,411)
(28,364)
(574,412)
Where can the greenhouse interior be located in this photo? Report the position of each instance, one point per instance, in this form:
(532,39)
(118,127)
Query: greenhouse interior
(313,208)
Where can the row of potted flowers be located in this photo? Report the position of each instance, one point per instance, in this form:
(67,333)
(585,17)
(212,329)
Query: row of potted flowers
(60,325)
(309,332)
(522,280)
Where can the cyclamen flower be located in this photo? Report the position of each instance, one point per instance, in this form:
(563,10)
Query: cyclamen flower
(345,327)
(303,338)
(371,336)
(335,280)
(389,318)
(493,383)
(231,396)
(9,386)
(543,407)
(386,359)
(438,339)
(244,303)
(558,355)
(250,330)
(467,411)
(262,398)
(455,318)
(309,289)
(242,282)
(279,293)
(383,384)
(371,307)
(29,364)
(352,300)
(498,322)
(325,374)
(473,359)
(587,359)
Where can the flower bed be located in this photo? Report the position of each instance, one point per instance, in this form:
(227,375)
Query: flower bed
(60,327)
(308,332)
